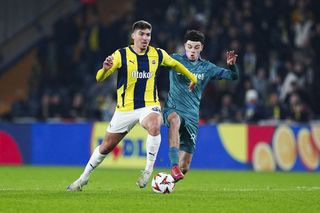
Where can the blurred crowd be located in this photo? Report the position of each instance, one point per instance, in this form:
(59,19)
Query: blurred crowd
(278,43)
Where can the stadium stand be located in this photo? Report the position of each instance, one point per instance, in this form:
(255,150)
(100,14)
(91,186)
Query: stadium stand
(277,43)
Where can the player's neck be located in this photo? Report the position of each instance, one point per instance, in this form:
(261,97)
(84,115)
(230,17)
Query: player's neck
(138,50)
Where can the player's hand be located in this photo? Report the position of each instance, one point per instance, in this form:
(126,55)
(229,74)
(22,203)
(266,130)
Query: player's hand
(231,58)
(107,64)
(191,86)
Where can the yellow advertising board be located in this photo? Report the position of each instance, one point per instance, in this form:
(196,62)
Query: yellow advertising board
(130,152)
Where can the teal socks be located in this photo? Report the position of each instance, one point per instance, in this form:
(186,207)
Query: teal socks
(174,156)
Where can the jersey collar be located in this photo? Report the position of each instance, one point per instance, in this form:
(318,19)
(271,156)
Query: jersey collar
(145,53)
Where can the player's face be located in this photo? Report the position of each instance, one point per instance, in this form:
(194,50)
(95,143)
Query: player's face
(193,49)
(141,39)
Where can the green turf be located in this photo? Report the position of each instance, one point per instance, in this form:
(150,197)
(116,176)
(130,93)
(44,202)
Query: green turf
(42,189)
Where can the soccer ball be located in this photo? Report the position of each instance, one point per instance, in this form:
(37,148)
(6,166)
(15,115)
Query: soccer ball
(162,183)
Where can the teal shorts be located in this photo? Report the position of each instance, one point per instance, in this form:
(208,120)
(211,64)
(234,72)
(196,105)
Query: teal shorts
(188,130)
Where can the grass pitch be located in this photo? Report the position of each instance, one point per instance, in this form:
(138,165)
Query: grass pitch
(42,189)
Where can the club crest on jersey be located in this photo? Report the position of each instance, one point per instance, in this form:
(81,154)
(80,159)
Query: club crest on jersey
(143,74)
(156,109)
(153,62)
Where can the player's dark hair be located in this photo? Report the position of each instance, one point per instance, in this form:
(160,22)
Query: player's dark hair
(194,35)
(141,25)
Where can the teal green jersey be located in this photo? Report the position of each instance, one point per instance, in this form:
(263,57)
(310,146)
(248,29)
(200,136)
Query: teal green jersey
(187,103)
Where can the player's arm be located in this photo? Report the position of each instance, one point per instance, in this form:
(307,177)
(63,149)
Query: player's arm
(111,64)
(177,66)
(229,74)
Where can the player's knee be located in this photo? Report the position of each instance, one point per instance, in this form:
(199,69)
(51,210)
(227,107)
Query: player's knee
(174,121)
(153,124)
(154,128)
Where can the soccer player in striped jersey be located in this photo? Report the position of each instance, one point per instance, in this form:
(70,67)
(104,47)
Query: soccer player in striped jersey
(137,98)
(181,110)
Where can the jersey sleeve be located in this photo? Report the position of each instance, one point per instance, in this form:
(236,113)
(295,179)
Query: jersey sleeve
(177,66)
(219,73)
(102,74)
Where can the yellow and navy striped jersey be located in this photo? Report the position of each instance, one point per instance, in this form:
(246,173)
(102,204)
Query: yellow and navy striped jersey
(137,74)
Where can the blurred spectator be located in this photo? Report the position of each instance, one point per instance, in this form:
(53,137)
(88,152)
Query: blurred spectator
(96,40)
(78,110)
(297,110)
(56,108)
(228,111)
(275,111)
(242,90)
(274,66)
(253,110)
(302,22)
(102,108)
(294,76)
(260,83)
(249,60)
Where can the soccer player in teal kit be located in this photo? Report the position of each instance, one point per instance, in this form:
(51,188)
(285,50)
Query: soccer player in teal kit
(181,110)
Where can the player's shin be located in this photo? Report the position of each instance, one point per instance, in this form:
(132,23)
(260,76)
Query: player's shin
(95,159)
(152,148)
(174,156)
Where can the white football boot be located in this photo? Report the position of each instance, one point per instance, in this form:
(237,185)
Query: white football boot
(143,179)
(77,185)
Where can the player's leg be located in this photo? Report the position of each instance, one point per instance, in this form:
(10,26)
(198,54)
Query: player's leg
(150,120)
(187,145)
(174,141)
(98,155)
(111,140)
(184,161)
(120,124)
(174,122)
